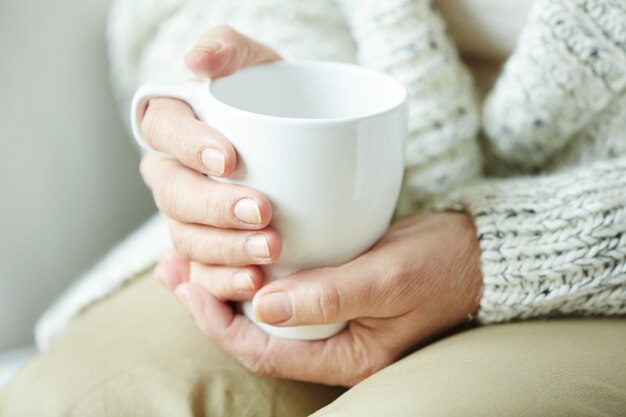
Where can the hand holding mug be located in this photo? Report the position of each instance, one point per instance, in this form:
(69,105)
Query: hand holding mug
(323,141)
(223,227)
(421,280)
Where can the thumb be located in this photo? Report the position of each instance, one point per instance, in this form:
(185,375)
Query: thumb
(316,296)
(222,50)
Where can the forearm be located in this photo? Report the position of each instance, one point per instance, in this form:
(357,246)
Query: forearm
(567,68)
(551,245)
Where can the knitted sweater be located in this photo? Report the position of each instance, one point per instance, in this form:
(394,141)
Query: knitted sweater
(550,208)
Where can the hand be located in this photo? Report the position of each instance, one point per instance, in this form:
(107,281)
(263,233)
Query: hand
(420,280)
(210,222)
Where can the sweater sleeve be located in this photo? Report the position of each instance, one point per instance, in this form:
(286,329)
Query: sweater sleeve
(407,39)
(551,245)
(568,67)
(149,38)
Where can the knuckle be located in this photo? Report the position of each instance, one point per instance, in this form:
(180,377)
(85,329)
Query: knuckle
(150,124)
(209,212)
(207,277)
(217,210)
(222,31)
(226,30)
(392,291)
(229,252)
(392,274)
(329,303)
(165,198)
(222,251)
(257,364)
(160,124)
(257,360)
(222,287)
(195,274)
(182,239)
(145,168)
(217,284)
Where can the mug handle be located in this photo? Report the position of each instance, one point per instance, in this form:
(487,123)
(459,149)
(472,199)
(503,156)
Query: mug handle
(194,93)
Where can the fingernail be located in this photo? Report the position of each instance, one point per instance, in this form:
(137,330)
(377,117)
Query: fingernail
(184,296)
(243,281)
(273,308)
(208,45)
(214,161)
(247,210)
(257,247)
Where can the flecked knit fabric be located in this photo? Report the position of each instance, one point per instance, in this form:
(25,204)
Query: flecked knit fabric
(564,83)
(555,244)
(553,232)
(149,38)
(551,245)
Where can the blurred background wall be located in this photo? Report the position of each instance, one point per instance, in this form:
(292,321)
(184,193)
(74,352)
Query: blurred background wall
(69,182)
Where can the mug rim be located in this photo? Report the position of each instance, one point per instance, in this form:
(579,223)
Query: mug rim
(400,102)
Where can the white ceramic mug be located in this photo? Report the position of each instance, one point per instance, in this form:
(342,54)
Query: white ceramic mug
(324,141)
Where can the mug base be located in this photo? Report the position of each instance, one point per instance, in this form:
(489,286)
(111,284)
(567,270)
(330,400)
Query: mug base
(314,332)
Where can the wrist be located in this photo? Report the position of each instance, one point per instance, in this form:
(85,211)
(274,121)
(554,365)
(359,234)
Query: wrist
(472,276)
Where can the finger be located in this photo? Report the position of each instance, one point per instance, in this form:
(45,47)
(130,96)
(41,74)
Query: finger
(170,126)
(334,361)
(227,283)
(222,50)
(214,246)
(318,296)
(172,270)
(187,196)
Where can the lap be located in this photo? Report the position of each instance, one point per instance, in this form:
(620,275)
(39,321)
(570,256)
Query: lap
(137,353)
(567,367)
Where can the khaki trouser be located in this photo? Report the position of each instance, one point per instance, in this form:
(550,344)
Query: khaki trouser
(137,354)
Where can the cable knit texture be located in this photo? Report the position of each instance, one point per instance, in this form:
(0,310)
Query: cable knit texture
(568,68)
(553,236)
(555,244)
(149,38)
(552,245)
